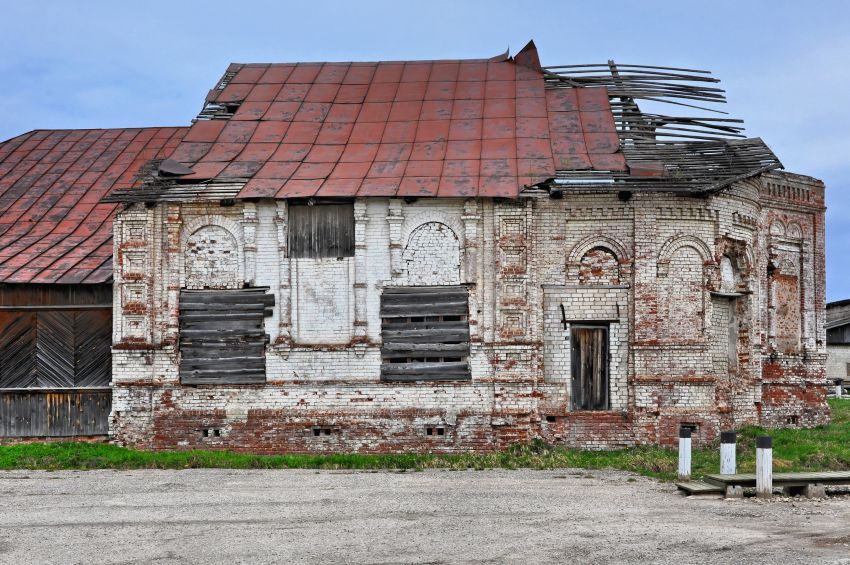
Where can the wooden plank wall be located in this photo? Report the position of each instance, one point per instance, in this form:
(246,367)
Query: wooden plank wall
(425,331)
(222,340)
(58,413)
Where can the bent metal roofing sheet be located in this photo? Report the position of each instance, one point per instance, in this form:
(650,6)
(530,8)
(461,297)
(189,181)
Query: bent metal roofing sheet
(455,128)
(53,227)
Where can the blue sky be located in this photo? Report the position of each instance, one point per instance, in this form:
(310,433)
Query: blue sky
(120,64)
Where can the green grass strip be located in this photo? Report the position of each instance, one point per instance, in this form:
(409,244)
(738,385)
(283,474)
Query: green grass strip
(826,448)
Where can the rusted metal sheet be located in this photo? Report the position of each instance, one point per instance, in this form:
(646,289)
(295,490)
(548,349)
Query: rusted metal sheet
(53,227)
(55,413)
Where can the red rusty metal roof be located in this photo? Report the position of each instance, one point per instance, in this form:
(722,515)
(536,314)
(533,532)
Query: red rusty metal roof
(53,228)
(411,128)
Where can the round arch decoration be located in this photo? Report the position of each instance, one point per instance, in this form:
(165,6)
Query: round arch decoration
(431,255)
(581,248)
(211,254)
(677,242)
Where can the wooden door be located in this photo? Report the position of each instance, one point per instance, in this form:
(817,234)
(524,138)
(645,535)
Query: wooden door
(589,367)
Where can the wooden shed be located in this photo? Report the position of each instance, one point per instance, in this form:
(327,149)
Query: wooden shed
(56,274)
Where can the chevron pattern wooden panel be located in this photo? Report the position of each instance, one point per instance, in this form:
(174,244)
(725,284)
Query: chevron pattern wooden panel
(17,349)
(92,348)
(54,349)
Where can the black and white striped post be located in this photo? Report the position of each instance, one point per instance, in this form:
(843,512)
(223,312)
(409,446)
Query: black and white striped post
(684,454)
(764,466)
(727,453)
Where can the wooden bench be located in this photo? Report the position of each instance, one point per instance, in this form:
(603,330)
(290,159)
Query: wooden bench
(809,484)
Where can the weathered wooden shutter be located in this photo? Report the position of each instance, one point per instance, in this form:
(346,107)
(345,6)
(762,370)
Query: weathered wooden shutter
(425,330)
(321,230)
(222,340)
(589,367)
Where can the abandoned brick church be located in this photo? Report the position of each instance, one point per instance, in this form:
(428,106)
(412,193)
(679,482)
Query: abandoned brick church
(423,255)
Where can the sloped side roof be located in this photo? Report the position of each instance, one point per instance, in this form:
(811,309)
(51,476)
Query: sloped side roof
(418,128)
(53,227)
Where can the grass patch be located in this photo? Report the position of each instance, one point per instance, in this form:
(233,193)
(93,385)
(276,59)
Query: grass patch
(817,449)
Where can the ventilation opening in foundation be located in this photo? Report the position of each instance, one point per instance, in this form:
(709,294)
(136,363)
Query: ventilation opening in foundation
(435,431)
(693,427)
(320,431)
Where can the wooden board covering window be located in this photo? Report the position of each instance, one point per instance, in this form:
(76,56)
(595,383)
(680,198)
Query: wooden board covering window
(425,333)
(222,340)
(589,367)
(321,230)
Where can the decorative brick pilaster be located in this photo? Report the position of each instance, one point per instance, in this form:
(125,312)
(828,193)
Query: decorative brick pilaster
(395,218)
(361,219)
(249,237)
(284,338)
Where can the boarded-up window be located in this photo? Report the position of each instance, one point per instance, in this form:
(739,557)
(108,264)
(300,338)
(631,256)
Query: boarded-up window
(589,367)
(222,340)
(425,330)
(321,230)
(55,348)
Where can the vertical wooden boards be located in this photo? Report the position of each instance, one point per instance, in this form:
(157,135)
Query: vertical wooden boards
(222,340)
(589,367)
(56,413)
(425,333)
(321,230)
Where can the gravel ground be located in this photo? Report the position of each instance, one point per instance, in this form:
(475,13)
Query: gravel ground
(299,516)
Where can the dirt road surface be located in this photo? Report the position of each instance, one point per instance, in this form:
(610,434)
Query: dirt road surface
(300,516)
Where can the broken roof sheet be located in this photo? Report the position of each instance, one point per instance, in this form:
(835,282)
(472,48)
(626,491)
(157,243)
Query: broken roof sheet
(53,227)
(416,128)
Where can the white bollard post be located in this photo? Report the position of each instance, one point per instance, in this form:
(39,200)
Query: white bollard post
(838,388)
(727,453)
(764,466)
(684,454)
